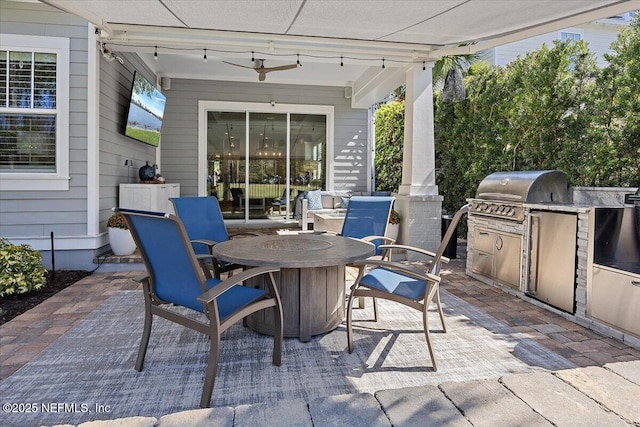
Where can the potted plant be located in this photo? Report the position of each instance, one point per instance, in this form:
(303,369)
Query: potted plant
(120,237)
(393,227)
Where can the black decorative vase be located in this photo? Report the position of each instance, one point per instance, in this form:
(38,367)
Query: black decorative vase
(147,172)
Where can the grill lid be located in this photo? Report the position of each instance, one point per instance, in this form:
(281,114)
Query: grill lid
(525,187)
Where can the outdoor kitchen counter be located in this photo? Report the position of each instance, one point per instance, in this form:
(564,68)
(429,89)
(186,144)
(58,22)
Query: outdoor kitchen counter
(597,287)
(541,233)
(556,207)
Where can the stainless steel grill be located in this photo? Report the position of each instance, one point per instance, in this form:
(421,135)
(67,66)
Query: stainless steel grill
(502,194)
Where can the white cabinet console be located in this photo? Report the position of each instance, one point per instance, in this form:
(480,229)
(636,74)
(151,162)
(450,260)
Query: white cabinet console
(148,197)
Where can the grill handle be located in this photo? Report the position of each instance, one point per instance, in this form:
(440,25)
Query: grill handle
(535,248)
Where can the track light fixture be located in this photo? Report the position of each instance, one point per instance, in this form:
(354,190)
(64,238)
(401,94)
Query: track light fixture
(155,54)
(204,58)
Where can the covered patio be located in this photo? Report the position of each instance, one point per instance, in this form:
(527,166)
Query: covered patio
(505,360)
(77,348)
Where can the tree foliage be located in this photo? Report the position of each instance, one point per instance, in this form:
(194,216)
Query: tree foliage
(389,145)
(616,127)
(550,109)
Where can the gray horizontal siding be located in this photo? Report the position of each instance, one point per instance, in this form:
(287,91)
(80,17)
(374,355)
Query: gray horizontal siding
(115,148)
(37,213)
(180,126)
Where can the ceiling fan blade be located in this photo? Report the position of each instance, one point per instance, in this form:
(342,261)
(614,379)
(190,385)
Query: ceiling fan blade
(280,68)
(238,65)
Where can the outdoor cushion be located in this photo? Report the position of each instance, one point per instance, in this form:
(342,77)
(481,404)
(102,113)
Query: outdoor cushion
(314,200)
(394,283)
(327,201)
(236,298)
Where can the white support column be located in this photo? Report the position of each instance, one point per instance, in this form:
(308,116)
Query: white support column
(418,201)
(418,166)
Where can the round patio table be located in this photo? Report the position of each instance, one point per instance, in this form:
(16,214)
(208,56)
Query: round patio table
(311,280)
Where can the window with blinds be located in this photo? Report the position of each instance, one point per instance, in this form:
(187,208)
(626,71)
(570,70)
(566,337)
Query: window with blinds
(28,111)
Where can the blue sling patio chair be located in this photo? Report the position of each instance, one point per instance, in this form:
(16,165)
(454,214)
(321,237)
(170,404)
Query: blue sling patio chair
(176,278)
(202,218)
(367,219)
(406,284)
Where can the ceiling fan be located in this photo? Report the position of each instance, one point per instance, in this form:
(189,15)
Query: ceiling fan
(262,70)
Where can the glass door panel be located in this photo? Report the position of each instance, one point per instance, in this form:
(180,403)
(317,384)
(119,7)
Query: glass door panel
(267,164)
(308,152)
(226,156)
(248,155)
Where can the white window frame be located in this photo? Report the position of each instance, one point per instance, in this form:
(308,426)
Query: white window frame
(568,31)
(255,107)
(45,181)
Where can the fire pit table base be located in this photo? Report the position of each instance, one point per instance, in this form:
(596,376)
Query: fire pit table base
(313,302)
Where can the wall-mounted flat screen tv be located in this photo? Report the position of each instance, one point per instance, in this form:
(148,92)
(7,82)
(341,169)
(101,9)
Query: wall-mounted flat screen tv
(146,110)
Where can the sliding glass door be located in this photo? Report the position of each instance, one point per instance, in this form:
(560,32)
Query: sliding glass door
(258,162)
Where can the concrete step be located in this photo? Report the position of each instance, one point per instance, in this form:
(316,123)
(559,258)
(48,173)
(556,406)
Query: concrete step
(558,401)
(594,396)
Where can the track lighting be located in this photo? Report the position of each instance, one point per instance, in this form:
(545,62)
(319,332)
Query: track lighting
(204,59)
(155,54)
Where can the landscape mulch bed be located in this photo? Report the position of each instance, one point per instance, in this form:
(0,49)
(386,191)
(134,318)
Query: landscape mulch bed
(15,305)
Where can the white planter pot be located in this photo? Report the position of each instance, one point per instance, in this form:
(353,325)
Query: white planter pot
(121,241)
(392,231)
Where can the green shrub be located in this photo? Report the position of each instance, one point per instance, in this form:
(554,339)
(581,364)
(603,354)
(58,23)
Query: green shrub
(21,269)
(389,146)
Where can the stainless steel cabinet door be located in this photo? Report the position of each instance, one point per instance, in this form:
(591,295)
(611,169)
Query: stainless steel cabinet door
(507,259)
(553,269)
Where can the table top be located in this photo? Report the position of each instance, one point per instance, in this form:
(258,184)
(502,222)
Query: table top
(293,251)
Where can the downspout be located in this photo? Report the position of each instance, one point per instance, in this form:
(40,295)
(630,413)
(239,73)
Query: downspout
(93,138)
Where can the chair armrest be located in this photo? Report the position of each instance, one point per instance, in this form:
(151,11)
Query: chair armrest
(204,256)
(401,268)
(142,278)
(236,279)
(414,249)
(209,243)
(386,239)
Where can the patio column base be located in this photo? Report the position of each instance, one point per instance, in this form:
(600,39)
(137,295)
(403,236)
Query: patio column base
(420,221)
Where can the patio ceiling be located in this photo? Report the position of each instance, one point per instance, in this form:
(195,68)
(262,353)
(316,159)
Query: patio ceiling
(320,32)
